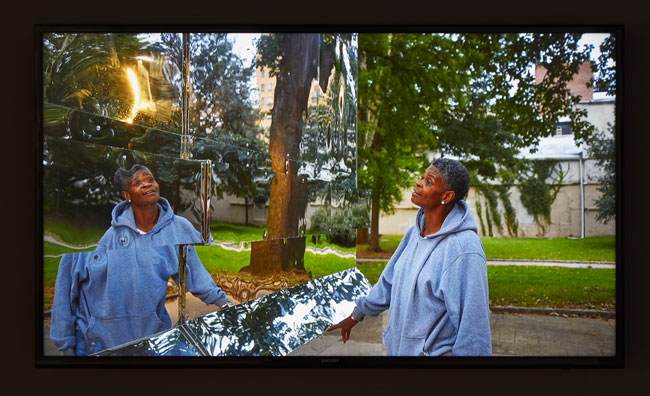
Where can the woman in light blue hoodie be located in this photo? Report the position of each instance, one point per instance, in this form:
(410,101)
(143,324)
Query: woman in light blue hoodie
(435,284)
(116,293)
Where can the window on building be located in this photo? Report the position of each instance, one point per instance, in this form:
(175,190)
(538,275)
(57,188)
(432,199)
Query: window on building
(262,88)
(269,101)
(562,128)
(270,88)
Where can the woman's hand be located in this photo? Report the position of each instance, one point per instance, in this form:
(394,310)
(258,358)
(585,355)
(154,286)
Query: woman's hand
(345,325)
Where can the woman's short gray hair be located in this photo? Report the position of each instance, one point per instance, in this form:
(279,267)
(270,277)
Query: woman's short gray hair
(123,176)
(455,177)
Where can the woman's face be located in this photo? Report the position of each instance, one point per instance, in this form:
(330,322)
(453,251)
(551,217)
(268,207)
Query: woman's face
(429,191)
(142,189)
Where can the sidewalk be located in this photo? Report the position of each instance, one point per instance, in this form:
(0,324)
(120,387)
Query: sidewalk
(512,335)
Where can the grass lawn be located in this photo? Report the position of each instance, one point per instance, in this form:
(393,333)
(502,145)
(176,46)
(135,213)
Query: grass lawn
(587,249)
(50,249)
(325,264)
(218,259)
(224,232)
(73,235)
(235,233)
(528,286)
(592,288)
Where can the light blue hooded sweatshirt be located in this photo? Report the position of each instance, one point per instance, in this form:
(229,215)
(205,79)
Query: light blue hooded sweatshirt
(436,290)
(116,293)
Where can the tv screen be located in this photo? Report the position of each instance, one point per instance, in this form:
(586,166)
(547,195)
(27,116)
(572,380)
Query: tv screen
(389,196)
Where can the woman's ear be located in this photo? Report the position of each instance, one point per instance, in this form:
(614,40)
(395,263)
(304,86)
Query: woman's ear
(126,195)
(448,196)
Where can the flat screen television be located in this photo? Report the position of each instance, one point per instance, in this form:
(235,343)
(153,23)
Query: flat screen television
(290,154)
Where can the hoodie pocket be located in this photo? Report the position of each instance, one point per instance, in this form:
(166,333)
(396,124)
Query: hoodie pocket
(397,344)
(110,332)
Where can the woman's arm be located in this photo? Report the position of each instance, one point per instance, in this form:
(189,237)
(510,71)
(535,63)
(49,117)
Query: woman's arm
(200,283)
(465,289)
(64,306)
(378,299)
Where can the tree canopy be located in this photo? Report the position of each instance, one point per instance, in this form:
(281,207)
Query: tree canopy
(473,96)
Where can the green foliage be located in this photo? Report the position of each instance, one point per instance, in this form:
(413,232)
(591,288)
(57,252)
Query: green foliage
(606,66)
(602,148)
(340,224)
(537,194)
(510,215)
(453,93)
(492,194)
(479,213)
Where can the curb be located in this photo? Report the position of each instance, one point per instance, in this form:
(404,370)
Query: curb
(555,311)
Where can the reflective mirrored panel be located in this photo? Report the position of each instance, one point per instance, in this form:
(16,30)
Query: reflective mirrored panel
(174,342)
(79,194)
(132,78)
(80,125)
(272,325)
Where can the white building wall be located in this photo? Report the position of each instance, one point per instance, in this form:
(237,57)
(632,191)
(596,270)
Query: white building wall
(565,211)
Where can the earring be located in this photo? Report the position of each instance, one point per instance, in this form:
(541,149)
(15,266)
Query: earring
(129,201)
(442,202)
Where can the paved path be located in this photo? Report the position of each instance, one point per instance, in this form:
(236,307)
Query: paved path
(512,335)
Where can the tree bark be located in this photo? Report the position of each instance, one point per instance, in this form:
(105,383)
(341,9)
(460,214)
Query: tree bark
(288,195)
(246,210)
(374,221)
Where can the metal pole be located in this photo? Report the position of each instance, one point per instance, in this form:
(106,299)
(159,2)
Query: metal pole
(582,197)
(182,260)
(206,184)
(185,102)
(185,154)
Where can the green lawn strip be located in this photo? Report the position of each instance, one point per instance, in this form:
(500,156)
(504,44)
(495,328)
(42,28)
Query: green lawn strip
(593,288)
(73,235)
(50,269)
(529,286)
(325,264)
(389,243)
(217,259)
(587,249)
(50,248)
(235,233)
(371,270)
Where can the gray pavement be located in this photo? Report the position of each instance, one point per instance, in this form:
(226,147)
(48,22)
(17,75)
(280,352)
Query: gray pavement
(512,335)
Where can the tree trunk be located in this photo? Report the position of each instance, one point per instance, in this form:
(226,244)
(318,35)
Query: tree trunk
(246,210)
(374,221)
(288,195)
